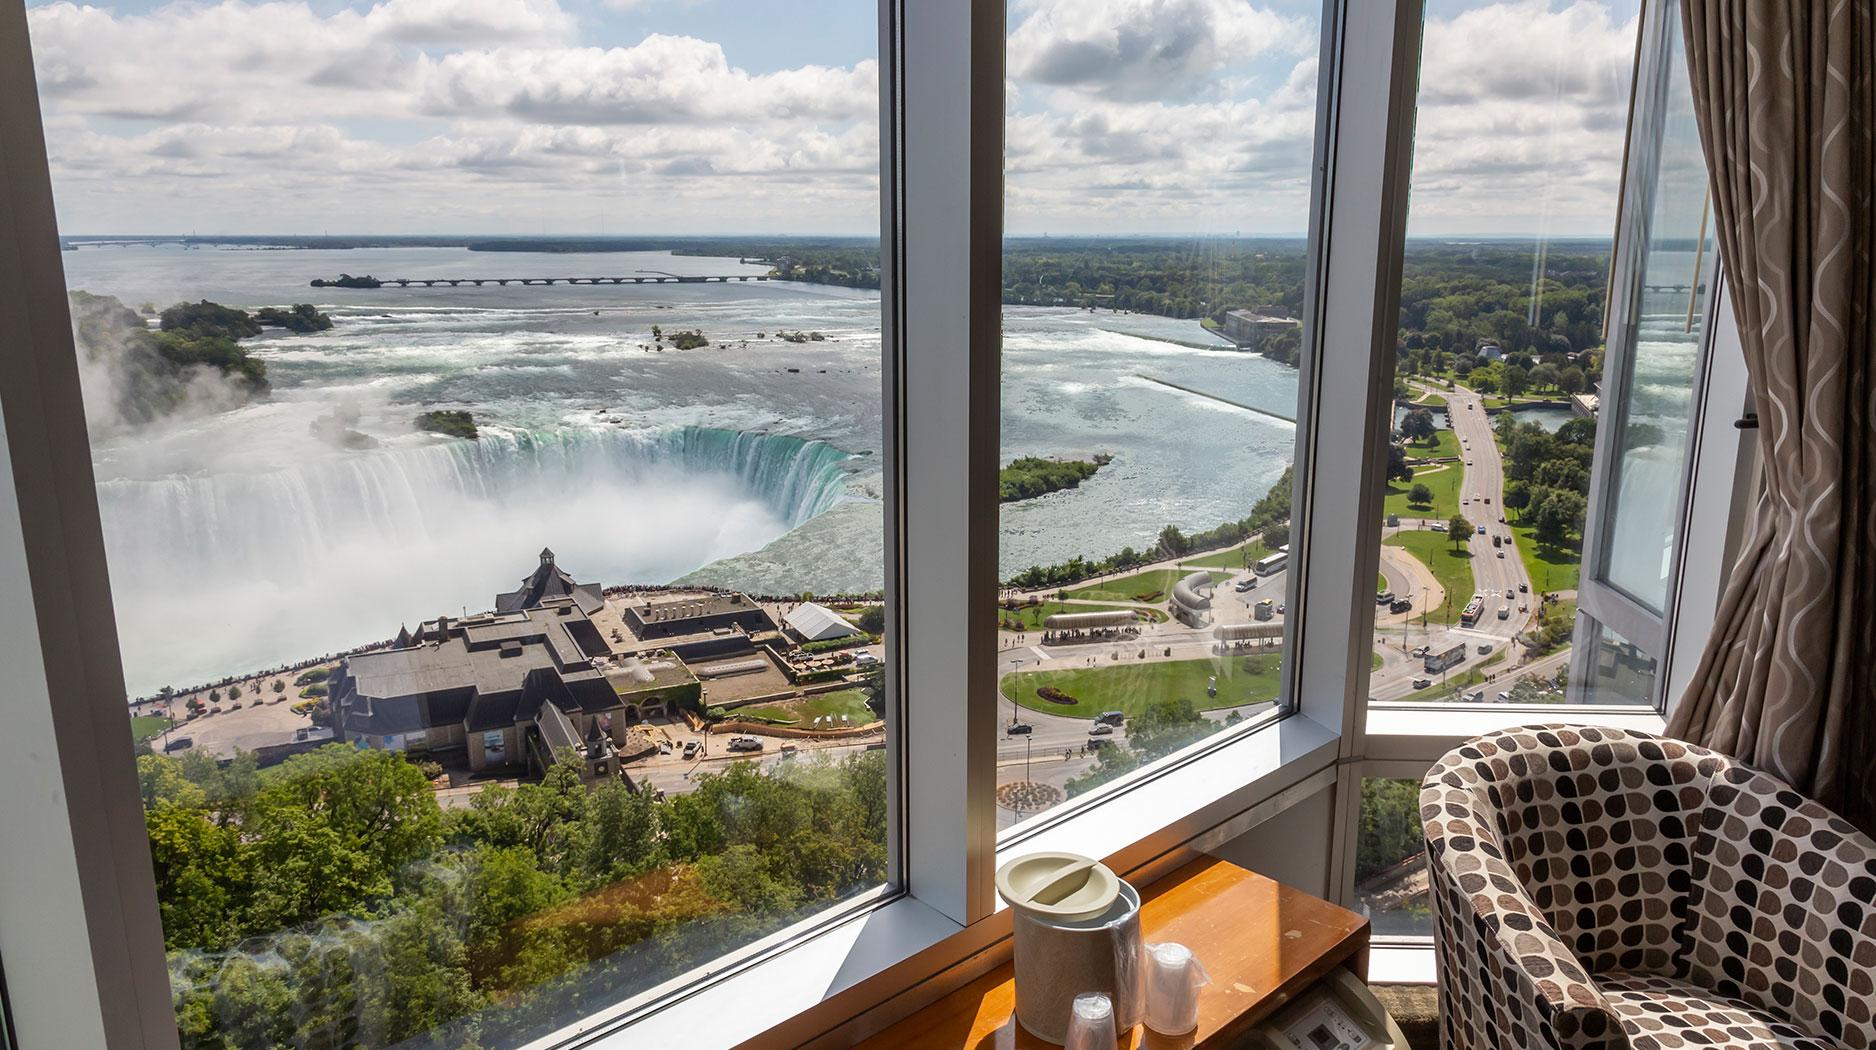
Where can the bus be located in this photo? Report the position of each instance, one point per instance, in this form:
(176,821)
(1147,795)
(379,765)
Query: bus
(1440,661)
(1474,609)
(1273,563)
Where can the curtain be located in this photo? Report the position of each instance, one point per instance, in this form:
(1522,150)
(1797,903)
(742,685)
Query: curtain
(1783,98)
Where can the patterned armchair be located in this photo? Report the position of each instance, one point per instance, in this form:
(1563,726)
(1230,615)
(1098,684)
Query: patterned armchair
(1595,888)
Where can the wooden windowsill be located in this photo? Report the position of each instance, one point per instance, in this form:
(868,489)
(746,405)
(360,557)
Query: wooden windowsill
(1262,943)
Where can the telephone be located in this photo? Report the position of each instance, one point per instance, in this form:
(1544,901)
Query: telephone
(1337,1013)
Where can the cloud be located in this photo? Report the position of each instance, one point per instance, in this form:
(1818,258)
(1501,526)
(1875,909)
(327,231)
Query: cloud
(661,80)
(1144,49)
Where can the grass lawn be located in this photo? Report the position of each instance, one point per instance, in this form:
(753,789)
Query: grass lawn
(1130,685)
(1444,443)
(1377,660)
(1453,569)
(1442,478)
(849,702)
(1431,401)
(1551,568)
(1236,558)
(1153,585)
(1031,616)
(143,727)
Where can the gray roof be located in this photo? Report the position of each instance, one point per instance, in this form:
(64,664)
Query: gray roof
(818,623)
(547,582)
(1088,620)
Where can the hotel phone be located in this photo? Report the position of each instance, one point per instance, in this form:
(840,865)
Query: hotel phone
(1337,1013)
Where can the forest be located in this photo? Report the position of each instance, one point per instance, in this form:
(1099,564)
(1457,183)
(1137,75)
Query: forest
(329,902)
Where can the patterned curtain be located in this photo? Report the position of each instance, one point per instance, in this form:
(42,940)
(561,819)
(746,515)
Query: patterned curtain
(1784,99)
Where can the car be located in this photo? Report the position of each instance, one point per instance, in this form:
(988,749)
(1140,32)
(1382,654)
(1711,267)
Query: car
(1501,519)
(1504,612)
(1280,611)
(865,660)
(1468,462)
(1018,729)
(1423,683)
(1247,585)
(1111,718)
(1481,530)
(1099,742)
(1501,555)
(1523,607)
(1400,605)
(690,749)
(1504,698)
(1384,597)
(1497,541)
(181,743)
(1484,650)
(1100,729)
(1438,526)
(745,743)
(1477,696)
(1488,499)
(1509,593)
(1423,650)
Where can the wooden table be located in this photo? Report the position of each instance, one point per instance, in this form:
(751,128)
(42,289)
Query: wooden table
(1262,942)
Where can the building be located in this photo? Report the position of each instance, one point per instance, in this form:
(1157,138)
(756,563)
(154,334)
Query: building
(701,627)
(1192,599)
(1094,622)
(1253,329)
(511,687)
(817,623)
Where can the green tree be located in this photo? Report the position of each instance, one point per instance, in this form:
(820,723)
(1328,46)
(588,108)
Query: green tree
(1418,426)
(1420,495)
(1459,529)
(872,619)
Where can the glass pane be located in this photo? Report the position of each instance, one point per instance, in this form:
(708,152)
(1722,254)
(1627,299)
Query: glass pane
(1669,321)
(1518,150)
(1391,859)
(465,600)
(1158,187)
(1619,672)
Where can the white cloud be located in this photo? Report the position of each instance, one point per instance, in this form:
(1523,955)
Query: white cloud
(661,80)
(1144,49)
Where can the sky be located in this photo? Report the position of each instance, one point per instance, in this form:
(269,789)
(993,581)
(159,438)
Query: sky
(622,117)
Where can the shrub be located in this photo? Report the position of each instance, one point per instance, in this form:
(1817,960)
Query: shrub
(430,769)
(314,674)
(314,691)
(1056,696)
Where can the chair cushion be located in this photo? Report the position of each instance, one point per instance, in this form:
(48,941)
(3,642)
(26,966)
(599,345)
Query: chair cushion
(1661,1013)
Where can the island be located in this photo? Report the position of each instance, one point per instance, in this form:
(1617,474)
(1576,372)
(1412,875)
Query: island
(450,422)
(1033,476)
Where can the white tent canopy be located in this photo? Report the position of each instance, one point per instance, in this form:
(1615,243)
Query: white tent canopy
(817,623)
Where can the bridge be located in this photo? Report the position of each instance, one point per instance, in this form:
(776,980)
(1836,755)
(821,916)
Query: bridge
(646,277)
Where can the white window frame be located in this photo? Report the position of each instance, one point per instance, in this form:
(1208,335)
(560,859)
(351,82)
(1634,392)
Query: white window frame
(936,921)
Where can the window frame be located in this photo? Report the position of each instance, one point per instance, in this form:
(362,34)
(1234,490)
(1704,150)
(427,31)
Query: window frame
(935,921)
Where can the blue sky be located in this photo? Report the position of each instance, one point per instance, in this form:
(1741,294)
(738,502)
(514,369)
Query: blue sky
(759,116)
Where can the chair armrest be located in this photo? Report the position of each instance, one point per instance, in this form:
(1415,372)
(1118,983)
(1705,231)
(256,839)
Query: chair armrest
(1506,979)
(1770,858)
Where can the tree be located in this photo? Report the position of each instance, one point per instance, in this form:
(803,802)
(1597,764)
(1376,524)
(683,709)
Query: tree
(1517,496)
(1277,536)
(1513,380)
(1458,529)
(1172,542)
(280,685)
(1570,380)
(234,692)
(1560,517)
(873,619)
(1544,377)
(1397,468)
(1420,495)
(1419,426)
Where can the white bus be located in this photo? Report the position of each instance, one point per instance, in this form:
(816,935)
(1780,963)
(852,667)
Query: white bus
(1273,563)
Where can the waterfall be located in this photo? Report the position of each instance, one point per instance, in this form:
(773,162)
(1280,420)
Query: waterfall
(220,571)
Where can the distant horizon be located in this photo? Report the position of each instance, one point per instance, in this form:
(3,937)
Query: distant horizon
(233,238)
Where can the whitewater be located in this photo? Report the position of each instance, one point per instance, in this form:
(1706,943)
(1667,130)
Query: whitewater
(244,539)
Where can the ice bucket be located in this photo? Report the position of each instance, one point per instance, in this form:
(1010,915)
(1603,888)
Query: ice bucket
(1077,929)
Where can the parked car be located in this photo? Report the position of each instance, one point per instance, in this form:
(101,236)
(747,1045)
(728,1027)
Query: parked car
(690,749)
(1484,650)
(865,660)
(1423,683)
(1423,650)
(181,743)
(1384,597)
(1018,729)
(1111,718)
(745,743)
(1400,605)
(1100,729)
(1477,696)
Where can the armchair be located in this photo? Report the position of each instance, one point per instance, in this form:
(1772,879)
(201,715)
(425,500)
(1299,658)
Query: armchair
(1596,888)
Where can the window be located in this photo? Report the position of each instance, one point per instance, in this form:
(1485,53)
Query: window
(1390,859)
(1500,350)
(415,526)
(1157,214)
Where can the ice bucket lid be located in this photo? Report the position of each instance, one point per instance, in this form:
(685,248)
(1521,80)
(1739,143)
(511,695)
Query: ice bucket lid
(1058,886)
